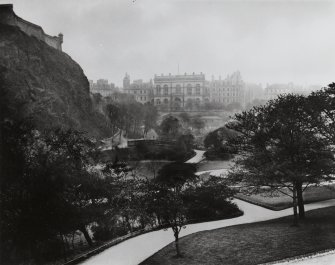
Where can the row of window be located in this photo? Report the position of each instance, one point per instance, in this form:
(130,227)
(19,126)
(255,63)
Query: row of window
(142,98)
(189,91)
(223,89)
(177,100)
(178,86)
(225,100)
(228,95)
(141,91)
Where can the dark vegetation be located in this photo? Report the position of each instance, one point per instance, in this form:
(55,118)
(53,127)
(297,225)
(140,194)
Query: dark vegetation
(215,143)
(285,145)
(50,186)
(178,197)
(255,243)
(50,86)
(132,117)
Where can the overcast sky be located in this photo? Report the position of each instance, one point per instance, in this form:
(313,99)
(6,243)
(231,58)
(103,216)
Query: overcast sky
(268,41)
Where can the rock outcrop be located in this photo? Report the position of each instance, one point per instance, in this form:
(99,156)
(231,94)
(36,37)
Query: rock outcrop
(47,83)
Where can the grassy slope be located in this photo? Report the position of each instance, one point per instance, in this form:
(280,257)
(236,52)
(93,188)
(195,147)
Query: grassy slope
(254,243)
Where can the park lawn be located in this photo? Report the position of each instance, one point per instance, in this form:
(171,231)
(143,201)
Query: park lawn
(214,165)
(253,243)
(278,201)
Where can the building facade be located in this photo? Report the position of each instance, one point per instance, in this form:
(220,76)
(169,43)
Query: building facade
(180,91)
(229,90)
(186,91)
(141,91)
(272,91)
(102,87)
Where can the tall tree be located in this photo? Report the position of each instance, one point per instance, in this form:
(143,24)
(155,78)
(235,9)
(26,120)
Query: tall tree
(168,198)
(280,148)
(321,106)
(171,127)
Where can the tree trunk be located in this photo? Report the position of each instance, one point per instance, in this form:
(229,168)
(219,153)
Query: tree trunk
(86,235)
(295,208)
(176,236)
(300,201)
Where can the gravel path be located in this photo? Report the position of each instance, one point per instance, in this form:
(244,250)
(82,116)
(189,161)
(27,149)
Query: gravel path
(137,249)
(199,156)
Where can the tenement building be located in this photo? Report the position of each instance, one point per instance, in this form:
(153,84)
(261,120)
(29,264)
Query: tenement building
(274,90)
(180,91)
(141,91)
(228,90)
(102,87)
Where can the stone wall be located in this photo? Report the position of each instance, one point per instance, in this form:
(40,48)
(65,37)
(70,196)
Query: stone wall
(7,16)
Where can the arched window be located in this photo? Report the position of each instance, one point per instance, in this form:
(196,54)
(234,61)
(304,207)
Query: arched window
(158,89)
(166,90)
(166,101)
(158,101)
(197,89)
(178,89)
(189,89)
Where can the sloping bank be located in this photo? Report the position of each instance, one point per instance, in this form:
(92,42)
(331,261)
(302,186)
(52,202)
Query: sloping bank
(139,248)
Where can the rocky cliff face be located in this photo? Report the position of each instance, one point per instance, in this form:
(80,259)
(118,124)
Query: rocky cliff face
(47,83)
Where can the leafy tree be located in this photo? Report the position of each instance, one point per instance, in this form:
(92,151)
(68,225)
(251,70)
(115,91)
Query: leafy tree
(176,174)
(150,117)
(197,123)
(171,127)
(280,149)
(168,201)
(185,117)
(185,143)
(321,106)
(215,143)
(209,200)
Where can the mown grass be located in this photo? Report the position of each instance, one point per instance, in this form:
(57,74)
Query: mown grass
(254,243)
(279,201)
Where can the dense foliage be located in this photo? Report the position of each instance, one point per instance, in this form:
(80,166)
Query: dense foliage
(132,117)
(283,144)
(215,143)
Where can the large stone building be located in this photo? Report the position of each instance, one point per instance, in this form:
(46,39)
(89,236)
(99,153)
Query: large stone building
(180,91)
(186,91)
(141,91)
(229,90)
(102,87)
(274,90)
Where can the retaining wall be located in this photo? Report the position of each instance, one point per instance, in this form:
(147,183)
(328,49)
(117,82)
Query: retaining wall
(7,16)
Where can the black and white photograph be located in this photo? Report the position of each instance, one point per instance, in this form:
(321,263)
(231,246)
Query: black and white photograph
(167,132)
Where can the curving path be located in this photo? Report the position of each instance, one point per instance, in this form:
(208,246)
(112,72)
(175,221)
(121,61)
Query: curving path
(326,258)
(199,156)
(137,249)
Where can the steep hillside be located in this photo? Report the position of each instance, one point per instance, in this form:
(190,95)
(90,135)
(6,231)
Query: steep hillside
(46,84)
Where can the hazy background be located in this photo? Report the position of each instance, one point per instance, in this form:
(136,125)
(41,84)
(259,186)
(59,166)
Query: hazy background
(268,41)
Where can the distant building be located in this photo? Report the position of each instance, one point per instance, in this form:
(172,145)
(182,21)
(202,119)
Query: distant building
(126,81)
(141,91)
(180,91)
(229,90)
(274,90)
(102,87)
(253,91)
